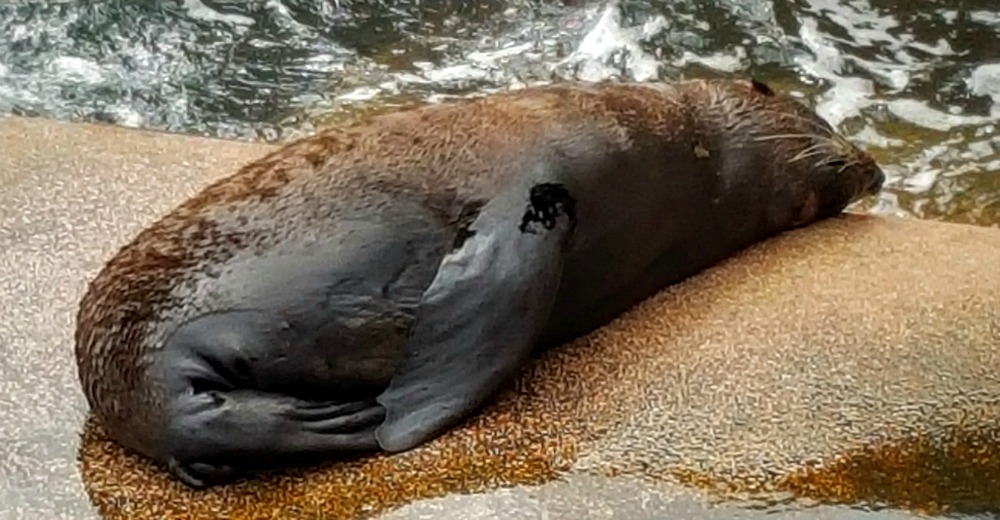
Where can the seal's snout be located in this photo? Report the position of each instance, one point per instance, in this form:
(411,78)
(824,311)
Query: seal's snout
(840,173)
(875,183)
(879,179)
(870,176)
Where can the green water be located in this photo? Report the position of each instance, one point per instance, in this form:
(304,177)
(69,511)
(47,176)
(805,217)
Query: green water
(917,82)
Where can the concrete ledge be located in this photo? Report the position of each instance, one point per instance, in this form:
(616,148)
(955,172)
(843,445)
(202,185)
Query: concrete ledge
(853,360)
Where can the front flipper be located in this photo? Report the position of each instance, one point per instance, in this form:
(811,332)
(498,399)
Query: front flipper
(482,315)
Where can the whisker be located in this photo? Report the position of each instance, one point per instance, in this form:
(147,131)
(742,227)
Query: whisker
(785,136)
(847,165)
(805,156)
(828,140)
(806,120)
(812,151)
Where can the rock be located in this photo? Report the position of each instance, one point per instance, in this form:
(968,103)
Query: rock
(854,360)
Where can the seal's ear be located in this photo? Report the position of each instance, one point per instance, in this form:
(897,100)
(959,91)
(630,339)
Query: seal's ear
(481,317)
(761,87)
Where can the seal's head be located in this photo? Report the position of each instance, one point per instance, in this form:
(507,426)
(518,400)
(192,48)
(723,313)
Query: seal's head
(825,171)
(838,173)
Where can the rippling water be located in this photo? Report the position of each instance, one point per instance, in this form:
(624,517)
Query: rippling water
(917,82)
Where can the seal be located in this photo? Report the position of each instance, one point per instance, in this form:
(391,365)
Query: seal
(370,287)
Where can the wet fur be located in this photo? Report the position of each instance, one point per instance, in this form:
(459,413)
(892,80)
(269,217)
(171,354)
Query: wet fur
(418,182)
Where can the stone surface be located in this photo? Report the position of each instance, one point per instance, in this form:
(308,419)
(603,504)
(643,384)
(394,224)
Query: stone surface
(69,197)
(852,360)
(599,498)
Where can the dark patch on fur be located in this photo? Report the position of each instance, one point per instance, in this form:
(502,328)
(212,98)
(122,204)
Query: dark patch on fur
(760,86)
(546,201)
(468,215)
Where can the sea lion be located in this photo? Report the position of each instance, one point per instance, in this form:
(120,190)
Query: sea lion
(371,286)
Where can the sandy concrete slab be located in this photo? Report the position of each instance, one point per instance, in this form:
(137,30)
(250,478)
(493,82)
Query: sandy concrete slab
(70,195)
(853,360)
(620,498)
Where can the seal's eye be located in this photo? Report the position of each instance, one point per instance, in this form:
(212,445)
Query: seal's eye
(836,163)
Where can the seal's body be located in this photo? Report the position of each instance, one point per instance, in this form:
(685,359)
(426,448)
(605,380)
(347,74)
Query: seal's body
(370,287)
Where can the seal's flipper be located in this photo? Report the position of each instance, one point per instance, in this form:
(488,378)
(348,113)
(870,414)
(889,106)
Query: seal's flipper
(481,316)
(214,434)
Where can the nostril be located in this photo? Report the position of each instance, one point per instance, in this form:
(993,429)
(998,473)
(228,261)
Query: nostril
(876,182)
(871,185)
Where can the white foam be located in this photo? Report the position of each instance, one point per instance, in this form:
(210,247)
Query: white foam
(985,81)
(196,9)
(921,114)
(77,69)
(595,55)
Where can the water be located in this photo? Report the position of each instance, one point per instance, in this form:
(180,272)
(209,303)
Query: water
(917,82)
